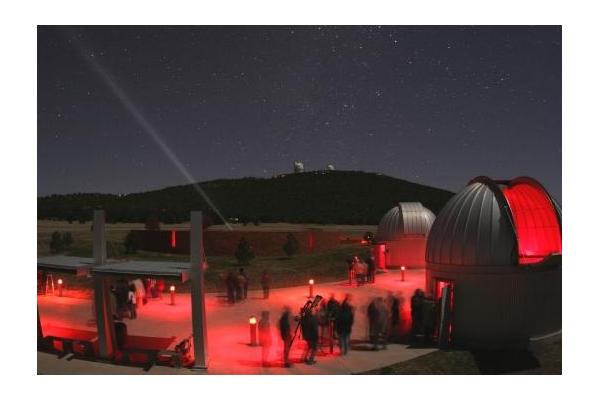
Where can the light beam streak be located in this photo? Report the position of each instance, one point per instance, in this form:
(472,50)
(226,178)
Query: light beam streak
(147,127)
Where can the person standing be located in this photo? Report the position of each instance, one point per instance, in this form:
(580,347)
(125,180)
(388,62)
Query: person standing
(244,282)
(373,317)
(395,321)
(265,282)
(310,333)
(416,313)
(382,323)
(230,285)
(285,331)
(370,269)
(264,337)
(131,301)
(344,324)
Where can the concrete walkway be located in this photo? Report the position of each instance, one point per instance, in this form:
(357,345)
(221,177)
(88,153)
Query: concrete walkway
(228,332)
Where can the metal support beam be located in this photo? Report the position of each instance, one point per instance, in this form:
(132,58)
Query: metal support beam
(99,249)
(198,307)
(104,319)
(102,303)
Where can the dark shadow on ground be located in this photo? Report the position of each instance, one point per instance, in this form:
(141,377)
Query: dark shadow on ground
(492,362)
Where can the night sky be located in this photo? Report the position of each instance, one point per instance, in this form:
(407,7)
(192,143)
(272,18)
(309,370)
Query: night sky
(437,106)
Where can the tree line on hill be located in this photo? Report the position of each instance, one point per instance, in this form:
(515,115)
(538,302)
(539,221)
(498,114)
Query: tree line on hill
(320,197)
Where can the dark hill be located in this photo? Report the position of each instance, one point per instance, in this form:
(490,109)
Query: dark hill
(327,197)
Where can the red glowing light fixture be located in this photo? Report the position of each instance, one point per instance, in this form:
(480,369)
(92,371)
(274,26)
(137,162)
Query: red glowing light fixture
(252,320)
(173,239)
(60,281)
(172,288)
(536,223)
(403,268)
(311,282)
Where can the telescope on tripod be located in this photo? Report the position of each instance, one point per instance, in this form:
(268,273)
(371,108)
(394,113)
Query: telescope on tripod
(307,307)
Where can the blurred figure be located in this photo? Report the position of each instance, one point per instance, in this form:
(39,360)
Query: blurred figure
(132,302)
(230,286)
(310,333)
(323,320)
(370,269)
(416,313)
(350,265)
(244,281)
(240,281)
(265,282)
(285,331)
(333,308)
(382,324)
(428,319)
(344,323)
(373,317)
(264,337)
(395,326)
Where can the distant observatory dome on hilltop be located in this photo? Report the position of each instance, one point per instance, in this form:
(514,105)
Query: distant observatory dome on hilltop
(298,166)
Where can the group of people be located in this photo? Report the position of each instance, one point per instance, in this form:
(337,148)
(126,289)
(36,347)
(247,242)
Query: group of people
(385,320)
(236,285)
(332,319)
(126,296)
(359,271)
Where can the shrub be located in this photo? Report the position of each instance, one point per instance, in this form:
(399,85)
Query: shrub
(67,239)
(153,223)
(291,246)
(131,243)
(56,243)
(244,252)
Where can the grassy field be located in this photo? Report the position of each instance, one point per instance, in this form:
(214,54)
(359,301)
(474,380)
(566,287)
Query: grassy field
(544,359)
(324,266)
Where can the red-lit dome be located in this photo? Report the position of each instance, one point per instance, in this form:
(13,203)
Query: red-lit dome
(536,220)
(496,223)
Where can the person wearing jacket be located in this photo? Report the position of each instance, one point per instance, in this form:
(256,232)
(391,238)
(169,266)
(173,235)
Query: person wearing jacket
(344,324)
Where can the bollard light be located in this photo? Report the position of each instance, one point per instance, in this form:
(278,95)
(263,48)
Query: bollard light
(172,290)
(402,269)
(311,285)
(60,287)
(253,331)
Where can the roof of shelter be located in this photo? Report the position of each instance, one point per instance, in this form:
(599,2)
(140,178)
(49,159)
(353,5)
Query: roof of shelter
(77,265)
(147,268)
(84,265)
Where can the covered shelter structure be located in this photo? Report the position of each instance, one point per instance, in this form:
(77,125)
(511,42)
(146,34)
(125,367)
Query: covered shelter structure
(105,273)
(401,236)
(495,249)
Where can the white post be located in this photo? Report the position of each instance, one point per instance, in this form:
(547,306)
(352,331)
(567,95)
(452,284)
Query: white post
(102,306)
(198,306)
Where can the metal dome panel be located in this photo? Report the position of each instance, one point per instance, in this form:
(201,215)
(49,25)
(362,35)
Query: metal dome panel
(473,228)
(404,219)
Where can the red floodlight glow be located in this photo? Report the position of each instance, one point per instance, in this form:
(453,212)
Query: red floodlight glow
(172,288)
(60,281)
(252,320)
(311,282)
(536,223)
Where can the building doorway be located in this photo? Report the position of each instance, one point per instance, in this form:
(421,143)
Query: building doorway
(444,297)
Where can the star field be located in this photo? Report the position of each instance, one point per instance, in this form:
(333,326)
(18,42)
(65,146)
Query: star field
(435,105)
